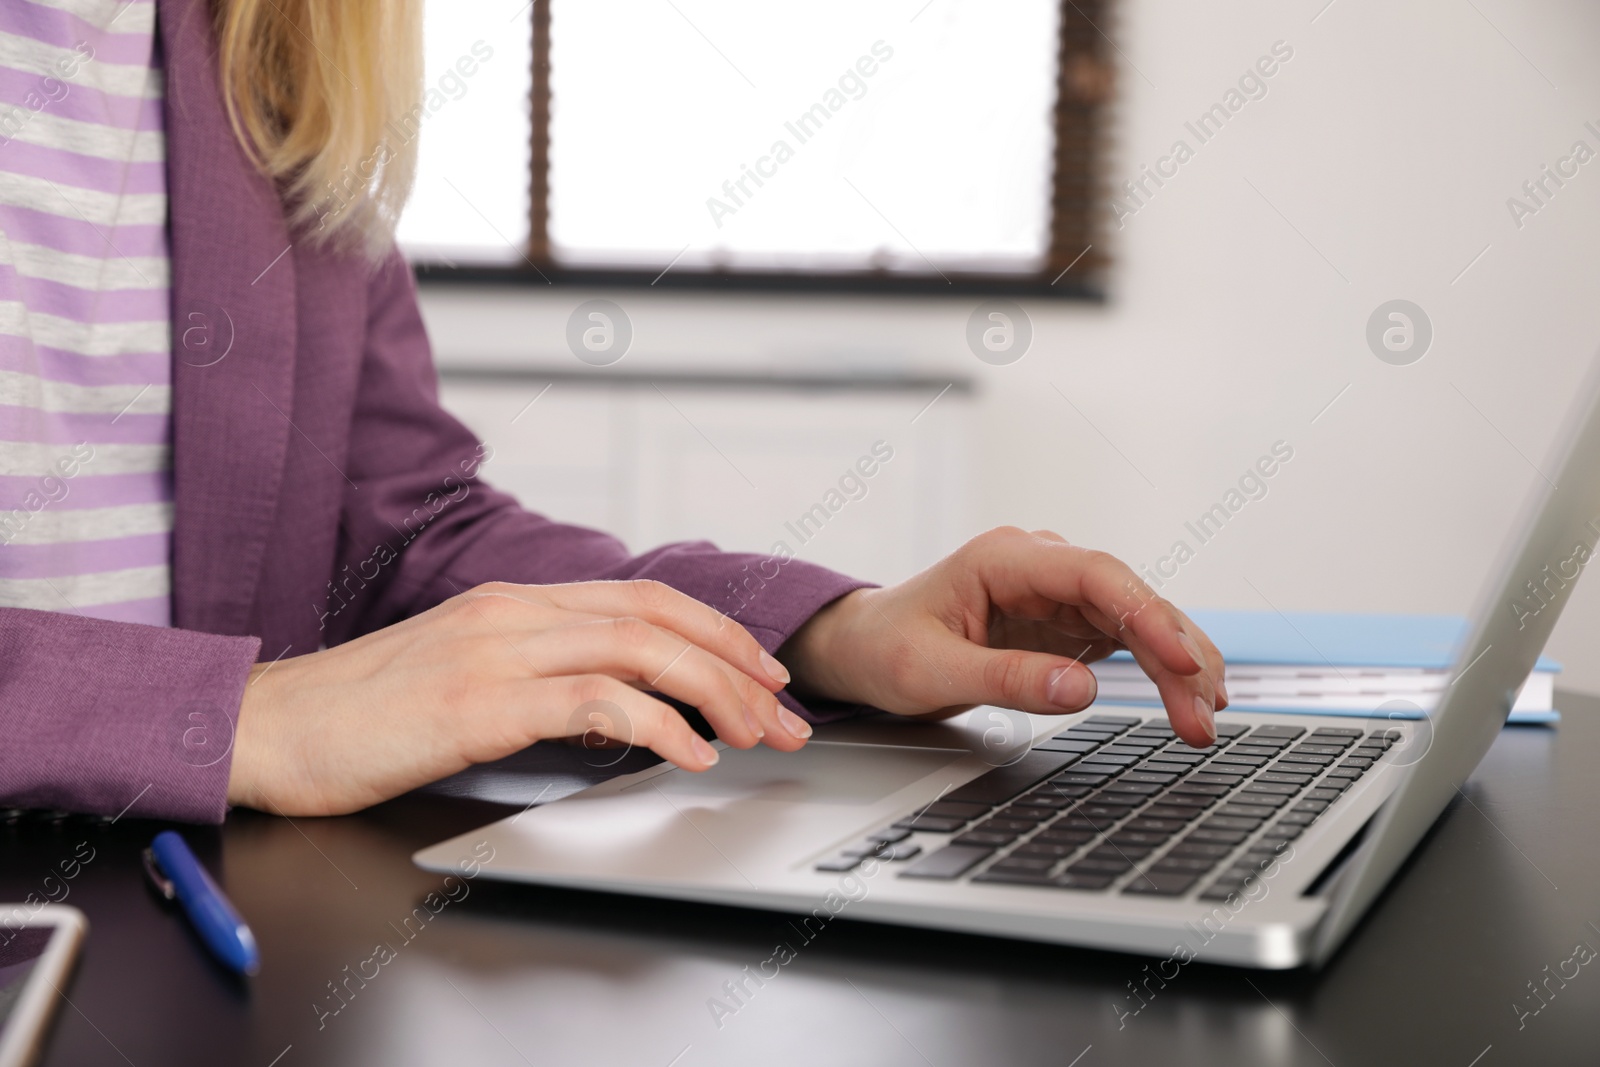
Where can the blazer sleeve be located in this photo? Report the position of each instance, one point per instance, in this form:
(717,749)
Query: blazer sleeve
(423,527)
(111,717)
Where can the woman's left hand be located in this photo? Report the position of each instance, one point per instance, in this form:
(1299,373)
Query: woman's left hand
(1010,619)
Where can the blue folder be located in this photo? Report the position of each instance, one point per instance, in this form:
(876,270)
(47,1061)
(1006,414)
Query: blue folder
(1337,639)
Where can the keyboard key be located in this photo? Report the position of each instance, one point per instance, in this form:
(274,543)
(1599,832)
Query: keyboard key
(889,837)
(1074,822)
(1156,826)
(1172,812)
(1162,883)
(1106,770)
(1015,878)
(1232,729)
(1324,794)
(1048,802)
(951,809)
(1066,744)
(1200,849)
(1283,789)
(1222,893)
(1297,757)
(1230,758)
(1316,807)
(1171,770)
(1144,774)
(998,825)
(1241,810)
(1025,863)
(1124,840)
(1082,880)
(1078,733)
(1260,799)
(1286,732)
(1236,879)
(931,824)
(1128,748)
(1119,722)
(1188,800)
(1102,816)
(1356,761)
(1106,757)
(1283,777)
(1279,832)
(1201,788)
(1112,864)
(1079,777)
(1003,783)
(1046,848)
(1339,731)
(952,861)
(1230,822)
(984,838)
(840,863)
(1194,864)
(896,853)
(1226,781)
(1026,812)
(1179,755)
(1321,750)
(1268,848)
(1242,749)
(1297,818)
(1216,837)
(1255,741)
(1070,838)
(863,851)
(1132,788)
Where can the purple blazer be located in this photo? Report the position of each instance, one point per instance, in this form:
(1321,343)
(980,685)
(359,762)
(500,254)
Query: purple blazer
(321,493)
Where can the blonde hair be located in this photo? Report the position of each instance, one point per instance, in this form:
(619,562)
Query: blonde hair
(323,94)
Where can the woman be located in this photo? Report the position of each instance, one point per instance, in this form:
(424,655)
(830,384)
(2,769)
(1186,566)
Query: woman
(247,559)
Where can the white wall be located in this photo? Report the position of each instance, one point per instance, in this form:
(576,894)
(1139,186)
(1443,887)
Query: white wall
(1377,166)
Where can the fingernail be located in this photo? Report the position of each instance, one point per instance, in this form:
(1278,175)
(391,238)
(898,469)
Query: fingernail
(1071,689)
(1193,649)
(754,723)
(775,670)
(794,723)
(707,754)
(1207,717)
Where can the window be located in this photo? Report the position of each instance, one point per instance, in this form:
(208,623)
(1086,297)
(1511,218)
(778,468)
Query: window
(709,142)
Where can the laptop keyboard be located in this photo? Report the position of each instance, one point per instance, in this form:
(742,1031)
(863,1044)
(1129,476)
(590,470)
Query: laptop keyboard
(1117,803)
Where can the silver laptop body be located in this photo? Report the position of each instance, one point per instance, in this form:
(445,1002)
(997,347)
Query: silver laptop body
(1058,829)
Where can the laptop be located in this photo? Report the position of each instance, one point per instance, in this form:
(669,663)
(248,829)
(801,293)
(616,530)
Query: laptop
(1099,829)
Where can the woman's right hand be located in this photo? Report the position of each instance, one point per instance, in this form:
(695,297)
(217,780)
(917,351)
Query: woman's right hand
(488,673)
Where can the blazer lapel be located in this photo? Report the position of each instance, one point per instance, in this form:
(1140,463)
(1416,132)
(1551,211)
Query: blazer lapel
(233,338)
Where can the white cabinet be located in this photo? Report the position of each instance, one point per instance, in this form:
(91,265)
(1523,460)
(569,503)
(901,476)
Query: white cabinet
(741,463)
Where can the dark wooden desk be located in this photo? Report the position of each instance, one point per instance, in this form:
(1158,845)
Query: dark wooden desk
(1507,885)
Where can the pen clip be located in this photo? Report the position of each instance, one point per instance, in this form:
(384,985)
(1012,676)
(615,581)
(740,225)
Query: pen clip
(161,882)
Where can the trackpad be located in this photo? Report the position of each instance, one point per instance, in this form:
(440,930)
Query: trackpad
(822,772)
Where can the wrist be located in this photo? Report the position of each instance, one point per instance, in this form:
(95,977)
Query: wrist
(244,772)
(816,653)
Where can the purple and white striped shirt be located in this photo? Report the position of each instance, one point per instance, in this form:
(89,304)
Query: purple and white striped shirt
(85,316)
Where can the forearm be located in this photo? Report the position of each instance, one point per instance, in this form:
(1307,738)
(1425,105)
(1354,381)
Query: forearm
(102,715)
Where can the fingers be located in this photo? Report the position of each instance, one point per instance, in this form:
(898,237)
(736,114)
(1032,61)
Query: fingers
(1028,681)
(1024,574)
(637,652)
(664,606)
(628,716)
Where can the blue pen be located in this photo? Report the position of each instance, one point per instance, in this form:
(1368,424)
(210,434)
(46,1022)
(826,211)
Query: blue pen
(178,875)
